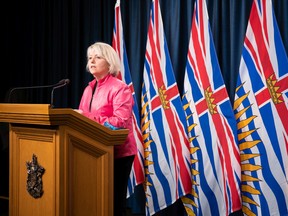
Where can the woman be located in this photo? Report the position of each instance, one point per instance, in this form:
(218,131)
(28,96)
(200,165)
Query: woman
(107,100)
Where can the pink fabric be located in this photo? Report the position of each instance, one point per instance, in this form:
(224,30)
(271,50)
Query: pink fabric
(112,102)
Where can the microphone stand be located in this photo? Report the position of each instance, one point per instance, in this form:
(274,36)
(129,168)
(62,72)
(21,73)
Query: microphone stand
(66,81)
(60,83)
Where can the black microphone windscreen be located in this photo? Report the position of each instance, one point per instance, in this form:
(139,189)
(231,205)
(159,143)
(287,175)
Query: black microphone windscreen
(67,81)
(63,81)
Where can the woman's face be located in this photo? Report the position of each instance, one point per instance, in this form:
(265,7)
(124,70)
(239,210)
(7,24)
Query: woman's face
(97,65)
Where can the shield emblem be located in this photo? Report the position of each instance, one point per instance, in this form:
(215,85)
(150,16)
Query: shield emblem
(34,178)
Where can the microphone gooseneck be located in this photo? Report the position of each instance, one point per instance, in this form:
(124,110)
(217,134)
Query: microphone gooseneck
(60,83)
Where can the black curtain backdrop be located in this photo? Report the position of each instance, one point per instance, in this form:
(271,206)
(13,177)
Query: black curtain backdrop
(46,40)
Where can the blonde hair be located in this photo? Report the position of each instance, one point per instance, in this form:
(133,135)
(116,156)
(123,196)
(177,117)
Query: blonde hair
(108,53)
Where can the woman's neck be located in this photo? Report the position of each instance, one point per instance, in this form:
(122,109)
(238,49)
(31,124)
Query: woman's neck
(101,76)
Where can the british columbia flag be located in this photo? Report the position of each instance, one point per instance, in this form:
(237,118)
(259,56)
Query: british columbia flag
(212,127)
(166,144)
(137,172)
(261,111)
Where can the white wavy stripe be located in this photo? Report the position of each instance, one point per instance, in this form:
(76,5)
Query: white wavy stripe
(185,151)
(273,164)
(154,124)
(281,136)
(236,172)
(216,182)
(164,164)
(232,144)
(217,162)
(203,201)
(166,170)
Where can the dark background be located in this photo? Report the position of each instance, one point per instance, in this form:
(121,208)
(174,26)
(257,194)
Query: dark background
(44,41)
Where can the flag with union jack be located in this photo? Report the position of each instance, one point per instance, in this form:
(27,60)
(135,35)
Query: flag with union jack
(212,127)
(163,123)
(137,172)
(261,110)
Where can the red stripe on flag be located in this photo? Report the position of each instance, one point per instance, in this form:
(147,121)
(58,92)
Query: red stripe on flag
(199,57)
(264,56)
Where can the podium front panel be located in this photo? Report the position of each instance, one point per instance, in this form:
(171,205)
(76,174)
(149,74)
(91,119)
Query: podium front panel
(77,177)
(61,163)
(43,144)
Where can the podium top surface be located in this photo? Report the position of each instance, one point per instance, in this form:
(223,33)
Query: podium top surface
(43,114)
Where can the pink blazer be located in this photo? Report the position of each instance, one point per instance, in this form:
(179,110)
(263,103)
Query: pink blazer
(110,100)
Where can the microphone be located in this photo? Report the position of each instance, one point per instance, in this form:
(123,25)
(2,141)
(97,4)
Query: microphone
(62,83)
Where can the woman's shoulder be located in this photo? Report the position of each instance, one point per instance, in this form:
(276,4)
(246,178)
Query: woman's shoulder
(118,81)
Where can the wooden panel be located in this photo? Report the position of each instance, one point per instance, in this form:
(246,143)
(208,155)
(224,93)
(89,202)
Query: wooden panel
(76,152)
(26,142)
(90,177)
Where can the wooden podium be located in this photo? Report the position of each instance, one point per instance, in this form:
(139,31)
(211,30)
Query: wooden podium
(61,163)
